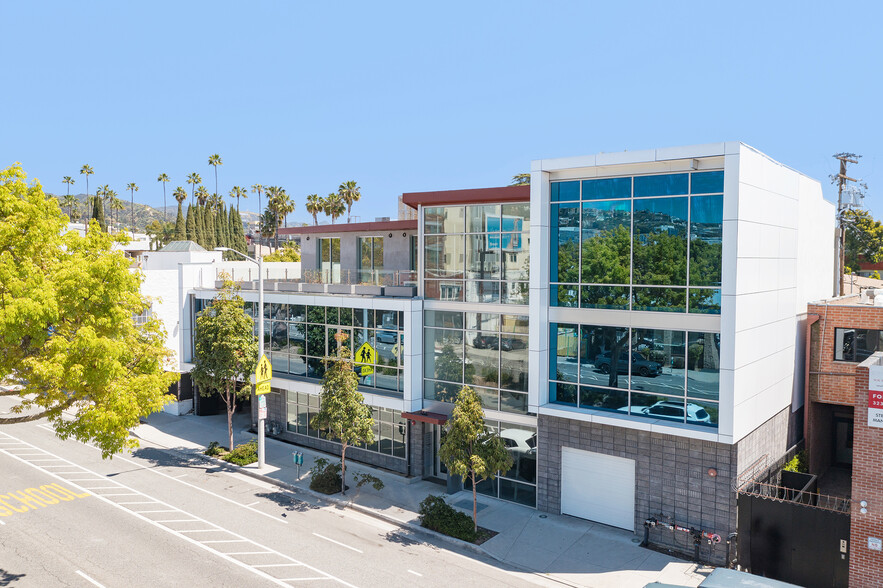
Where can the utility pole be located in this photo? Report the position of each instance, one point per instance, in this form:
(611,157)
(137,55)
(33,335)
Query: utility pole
(840,231)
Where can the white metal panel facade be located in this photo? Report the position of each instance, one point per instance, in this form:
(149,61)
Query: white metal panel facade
(598,487)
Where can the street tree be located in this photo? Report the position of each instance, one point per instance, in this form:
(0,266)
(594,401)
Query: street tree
(342,412)
(68,341)
(226,351)
(470,449)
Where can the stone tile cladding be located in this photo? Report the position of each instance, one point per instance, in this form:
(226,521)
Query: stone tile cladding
(865,565)
(671,478)
(832,381)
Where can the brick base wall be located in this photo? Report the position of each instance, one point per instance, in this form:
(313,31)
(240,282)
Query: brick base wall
(866,565)
(671,478)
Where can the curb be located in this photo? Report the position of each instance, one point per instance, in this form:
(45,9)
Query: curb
(415,528)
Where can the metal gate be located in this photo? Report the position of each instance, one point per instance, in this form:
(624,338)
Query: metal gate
(792,535)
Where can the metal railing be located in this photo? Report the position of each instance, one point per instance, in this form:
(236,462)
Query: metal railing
(360,277)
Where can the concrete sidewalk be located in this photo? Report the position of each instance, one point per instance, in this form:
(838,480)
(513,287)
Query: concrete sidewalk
(569,550)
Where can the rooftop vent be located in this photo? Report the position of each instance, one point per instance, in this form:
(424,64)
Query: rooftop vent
(381,219)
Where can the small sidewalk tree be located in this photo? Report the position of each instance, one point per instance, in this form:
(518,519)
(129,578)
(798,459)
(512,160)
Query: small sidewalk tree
(471,450)
(342,411)
(226,349)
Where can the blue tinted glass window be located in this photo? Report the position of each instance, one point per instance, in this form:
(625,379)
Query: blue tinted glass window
(563,191)
(663,185)
(706,240)
(606,243)
(607,188)
(660,236)
(707,182)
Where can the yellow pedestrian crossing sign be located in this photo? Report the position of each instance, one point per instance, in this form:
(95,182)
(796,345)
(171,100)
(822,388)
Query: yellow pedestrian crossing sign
(262,376)
(365,355)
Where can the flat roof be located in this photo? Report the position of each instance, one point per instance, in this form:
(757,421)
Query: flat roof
(469,196)
(369,227)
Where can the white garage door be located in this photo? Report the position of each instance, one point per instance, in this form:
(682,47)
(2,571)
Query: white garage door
(598,487)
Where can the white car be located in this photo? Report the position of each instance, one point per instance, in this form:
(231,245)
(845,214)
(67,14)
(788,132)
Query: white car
(665,409)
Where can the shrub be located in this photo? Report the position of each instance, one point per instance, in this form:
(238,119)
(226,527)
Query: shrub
(214,449)
(325,476)
(438,515)
(243,454)
(797,463)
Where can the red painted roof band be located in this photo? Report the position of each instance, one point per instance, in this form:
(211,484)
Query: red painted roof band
(392,225)
(470,196)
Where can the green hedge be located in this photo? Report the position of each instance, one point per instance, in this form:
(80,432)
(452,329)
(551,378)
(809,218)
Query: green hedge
(243,454)
(438,515)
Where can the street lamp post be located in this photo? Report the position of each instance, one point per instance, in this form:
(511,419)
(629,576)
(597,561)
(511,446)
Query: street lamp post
(260,263)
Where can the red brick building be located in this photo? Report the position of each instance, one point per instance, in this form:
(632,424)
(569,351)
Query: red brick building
(846,342)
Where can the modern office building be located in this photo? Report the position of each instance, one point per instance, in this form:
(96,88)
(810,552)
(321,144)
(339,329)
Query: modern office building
(633,323)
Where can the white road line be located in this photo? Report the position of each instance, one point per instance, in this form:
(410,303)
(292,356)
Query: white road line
(121,494)
(415,573)
(253,503)
(181,476)
(79,573)
(180,534)
(2,523)
(338,542)
(139,502)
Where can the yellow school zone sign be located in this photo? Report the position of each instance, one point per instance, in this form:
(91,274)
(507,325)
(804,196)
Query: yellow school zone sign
(365,356)
(262,376)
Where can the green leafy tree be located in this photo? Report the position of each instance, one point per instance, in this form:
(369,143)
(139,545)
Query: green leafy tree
(864,238)
(67,337)
(471,450)
(98,207)
(154,230)
(520,180)
(349,192)
(342,412)
(226,351)
(289,252)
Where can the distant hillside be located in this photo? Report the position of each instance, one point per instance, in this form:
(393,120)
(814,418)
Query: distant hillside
(144,214)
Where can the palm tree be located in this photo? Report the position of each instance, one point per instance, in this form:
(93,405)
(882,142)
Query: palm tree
(70,202)
(194,180)
(164,179)
(202,195)
(238,193)
(133,187)
(258,188)
(334,206)
(87,171)
(282,205)
(215,201)
(180,195)
(118,205)
(349,193)
(315,205)
(215,160)
(67,200)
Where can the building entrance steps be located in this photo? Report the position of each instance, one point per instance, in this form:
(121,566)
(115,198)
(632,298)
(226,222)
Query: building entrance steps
(565,549)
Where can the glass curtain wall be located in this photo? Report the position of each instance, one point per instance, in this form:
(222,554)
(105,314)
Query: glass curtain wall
(649,243)
(370,259)
(518,484)
(652,373)
(299,337)
(477,253)
(329,259)
(390,429)
(487,351)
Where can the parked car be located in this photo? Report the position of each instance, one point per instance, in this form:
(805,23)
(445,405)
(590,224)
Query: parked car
(387,336)
(486,342)
(519,440)
(640,365)
(666,409)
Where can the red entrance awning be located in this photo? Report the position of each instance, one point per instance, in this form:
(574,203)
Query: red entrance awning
(422,416)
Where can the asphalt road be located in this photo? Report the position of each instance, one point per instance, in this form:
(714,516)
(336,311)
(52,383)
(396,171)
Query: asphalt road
(161,518)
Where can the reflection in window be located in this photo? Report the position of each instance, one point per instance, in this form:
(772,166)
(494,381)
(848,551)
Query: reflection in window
(606,242)
(565,236)
(661,241)
(856,344)
(370,258)
(651,373)
(659,299)
(706,223)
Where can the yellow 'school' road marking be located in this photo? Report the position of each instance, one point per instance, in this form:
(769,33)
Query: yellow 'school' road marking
(19,501)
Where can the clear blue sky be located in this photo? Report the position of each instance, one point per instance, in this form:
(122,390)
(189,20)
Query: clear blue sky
(416,96)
